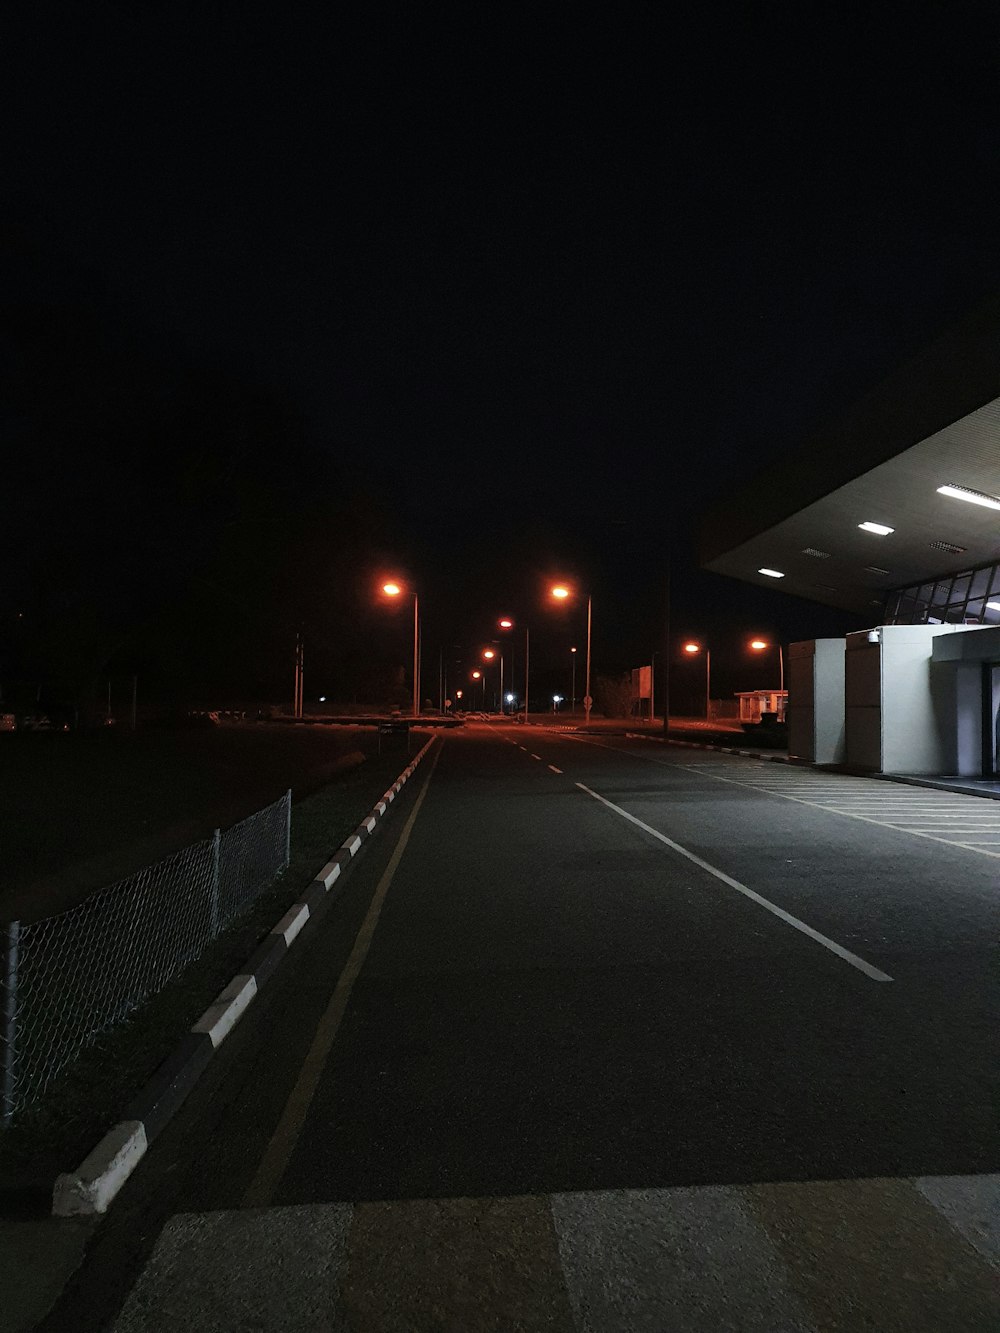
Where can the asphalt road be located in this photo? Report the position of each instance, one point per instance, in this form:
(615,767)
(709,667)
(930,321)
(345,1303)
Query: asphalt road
(601,1035)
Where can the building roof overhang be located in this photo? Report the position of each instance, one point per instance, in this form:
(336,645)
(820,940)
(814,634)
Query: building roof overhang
(936,422)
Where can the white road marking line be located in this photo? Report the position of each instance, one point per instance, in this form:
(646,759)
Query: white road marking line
(554,769)
(873,972)
(865,819)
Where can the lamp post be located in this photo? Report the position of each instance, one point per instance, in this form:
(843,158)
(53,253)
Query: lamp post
(488,656)
(478,675)
(560,592)
(505,622)
(394,589)
(572,693)
(693,648)
(759,645)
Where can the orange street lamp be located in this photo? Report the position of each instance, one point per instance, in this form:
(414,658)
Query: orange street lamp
(693,648)
(758,645)
(560,592)
(505,622)
(394,589)
(488,655)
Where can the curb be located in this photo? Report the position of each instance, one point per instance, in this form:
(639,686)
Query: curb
(93,1185)
(719,749)
(903,779)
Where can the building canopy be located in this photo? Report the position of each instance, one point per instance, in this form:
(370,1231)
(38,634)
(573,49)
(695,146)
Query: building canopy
(935,423)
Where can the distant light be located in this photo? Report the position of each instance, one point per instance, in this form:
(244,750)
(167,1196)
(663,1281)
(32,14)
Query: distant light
(560,592)
(572,650)
(506,624)
(973,497)
(458,694)
(476,675)
(391,589)
(879,529)
(509,698)
(322,698)
(488,653)
(557,698)
(758,644)
(692,647)
(771,573)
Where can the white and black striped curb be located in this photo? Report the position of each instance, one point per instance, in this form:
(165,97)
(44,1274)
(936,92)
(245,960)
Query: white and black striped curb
(719,749)
(903,779)
(91,1188)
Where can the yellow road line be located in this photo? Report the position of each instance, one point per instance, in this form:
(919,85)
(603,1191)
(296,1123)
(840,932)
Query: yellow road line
(279,1151)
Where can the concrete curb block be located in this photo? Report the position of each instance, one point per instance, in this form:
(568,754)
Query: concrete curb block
(102,1173)
(93,1185)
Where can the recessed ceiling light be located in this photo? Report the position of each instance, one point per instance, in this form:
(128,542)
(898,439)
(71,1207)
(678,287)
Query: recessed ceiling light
(973,497)
(819,555)
(879,529)
(771,573)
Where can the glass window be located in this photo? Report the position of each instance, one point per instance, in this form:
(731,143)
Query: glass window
(960,589)
(981,581)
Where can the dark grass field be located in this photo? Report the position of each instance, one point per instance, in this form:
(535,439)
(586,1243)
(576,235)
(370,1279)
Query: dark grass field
(78,812)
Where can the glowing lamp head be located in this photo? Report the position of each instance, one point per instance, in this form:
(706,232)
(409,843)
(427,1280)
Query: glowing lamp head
(758,644)
(692,647)
(489,654)
(391,589)
(560,593)
(572,650)
(509,698)
(476,675)
(506,623)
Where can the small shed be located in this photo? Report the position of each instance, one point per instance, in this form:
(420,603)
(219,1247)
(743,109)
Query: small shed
(762,706)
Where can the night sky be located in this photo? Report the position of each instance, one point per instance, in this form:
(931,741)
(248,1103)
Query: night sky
(493,292)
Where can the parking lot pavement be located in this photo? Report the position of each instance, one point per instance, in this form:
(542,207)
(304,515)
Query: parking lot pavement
(574,1051)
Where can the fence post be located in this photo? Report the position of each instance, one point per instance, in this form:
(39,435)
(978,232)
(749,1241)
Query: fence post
(288,828)
(216,835)
(8,1019)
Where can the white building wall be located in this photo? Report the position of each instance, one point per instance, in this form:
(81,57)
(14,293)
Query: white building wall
(816,700)
(900,714)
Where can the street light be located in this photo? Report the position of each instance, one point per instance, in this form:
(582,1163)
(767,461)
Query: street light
(693,648)
(394,589)
(488,656)
(759,645)
(478,675)
(560,592)
(572,692)
(505,622)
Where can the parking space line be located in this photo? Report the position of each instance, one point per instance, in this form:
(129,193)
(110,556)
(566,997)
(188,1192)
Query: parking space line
(876,974)
(554,769)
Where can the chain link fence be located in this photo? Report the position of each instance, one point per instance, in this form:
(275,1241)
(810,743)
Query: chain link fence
(68,978)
